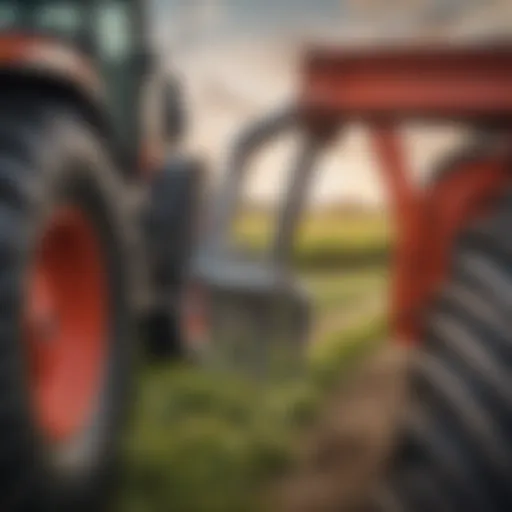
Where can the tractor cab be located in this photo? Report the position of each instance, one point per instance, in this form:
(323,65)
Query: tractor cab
(109,39)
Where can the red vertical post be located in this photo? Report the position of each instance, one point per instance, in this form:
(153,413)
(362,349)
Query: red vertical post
(406,204)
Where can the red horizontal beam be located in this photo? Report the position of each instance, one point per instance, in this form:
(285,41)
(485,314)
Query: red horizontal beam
(458,83)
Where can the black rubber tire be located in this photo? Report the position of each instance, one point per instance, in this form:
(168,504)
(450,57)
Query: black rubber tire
(48,157)
(456,446)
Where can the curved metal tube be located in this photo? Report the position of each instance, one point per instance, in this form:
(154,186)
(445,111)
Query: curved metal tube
(225,205)
(294,201)
(248,143)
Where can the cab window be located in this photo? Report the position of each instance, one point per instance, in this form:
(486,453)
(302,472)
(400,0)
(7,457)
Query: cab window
(9,15)
(114,31)
(63,18)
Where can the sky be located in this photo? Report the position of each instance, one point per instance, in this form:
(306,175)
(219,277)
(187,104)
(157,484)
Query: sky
(193,22)
(204,20)
(236,59)
(245,14)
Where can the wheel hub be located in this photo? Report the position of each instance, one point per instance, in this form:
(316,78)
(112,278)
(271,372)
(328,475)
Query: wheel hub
(66,324)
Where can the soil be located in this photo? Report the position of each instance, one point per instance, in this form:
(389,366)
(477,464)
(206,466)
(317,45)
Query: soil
(344,454)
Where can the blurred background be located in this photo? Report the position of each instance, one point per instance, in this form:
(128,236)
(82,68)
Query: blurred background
(219,442)
(238,59)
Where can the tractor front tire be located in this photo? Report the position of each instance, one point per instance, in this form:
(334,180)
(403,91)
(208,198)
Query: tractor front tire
(455,450)
(67,309)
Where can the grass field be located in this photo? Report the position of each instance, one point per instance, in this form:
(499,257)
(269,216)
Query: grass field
(327,241)
(333,291)
(204,441)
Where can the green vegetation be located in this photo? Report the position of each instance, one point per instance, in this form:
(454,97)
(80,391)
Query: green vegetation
(332,291)
(326,241)
(206,441)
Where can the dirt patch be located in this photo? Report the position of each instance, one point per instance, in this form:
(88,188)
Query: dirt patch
(345,452)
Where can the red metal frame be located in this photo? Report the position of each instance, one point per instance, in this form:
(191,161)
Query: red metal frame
(457,83)
(469,85)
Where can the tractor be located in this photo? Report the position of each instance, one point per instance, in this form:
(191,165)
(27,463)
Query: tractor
(97,217)
(94,213)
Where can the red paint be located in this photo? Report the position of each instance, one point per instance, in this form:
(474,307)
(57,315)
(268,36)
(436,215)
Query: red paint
(50,56)
(469,191)
(428,223)
(66,319)
(195,315)
(408,216)
(430,83)
(152,158)
(384,87)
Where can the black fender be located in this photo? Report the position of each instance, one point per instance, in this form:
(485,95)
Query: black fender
(90,103)
(171,227)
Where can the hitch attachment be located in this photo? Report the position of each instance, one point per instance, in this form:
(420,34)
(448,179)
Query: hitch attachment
(256,307)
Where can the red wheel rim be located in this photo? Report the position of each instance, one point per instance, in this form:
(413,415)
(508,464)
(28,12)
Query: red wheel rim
(66,324)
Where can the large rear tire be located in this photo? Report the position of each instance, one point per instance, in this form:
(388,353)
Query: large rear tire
(67,309)
(455,450)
